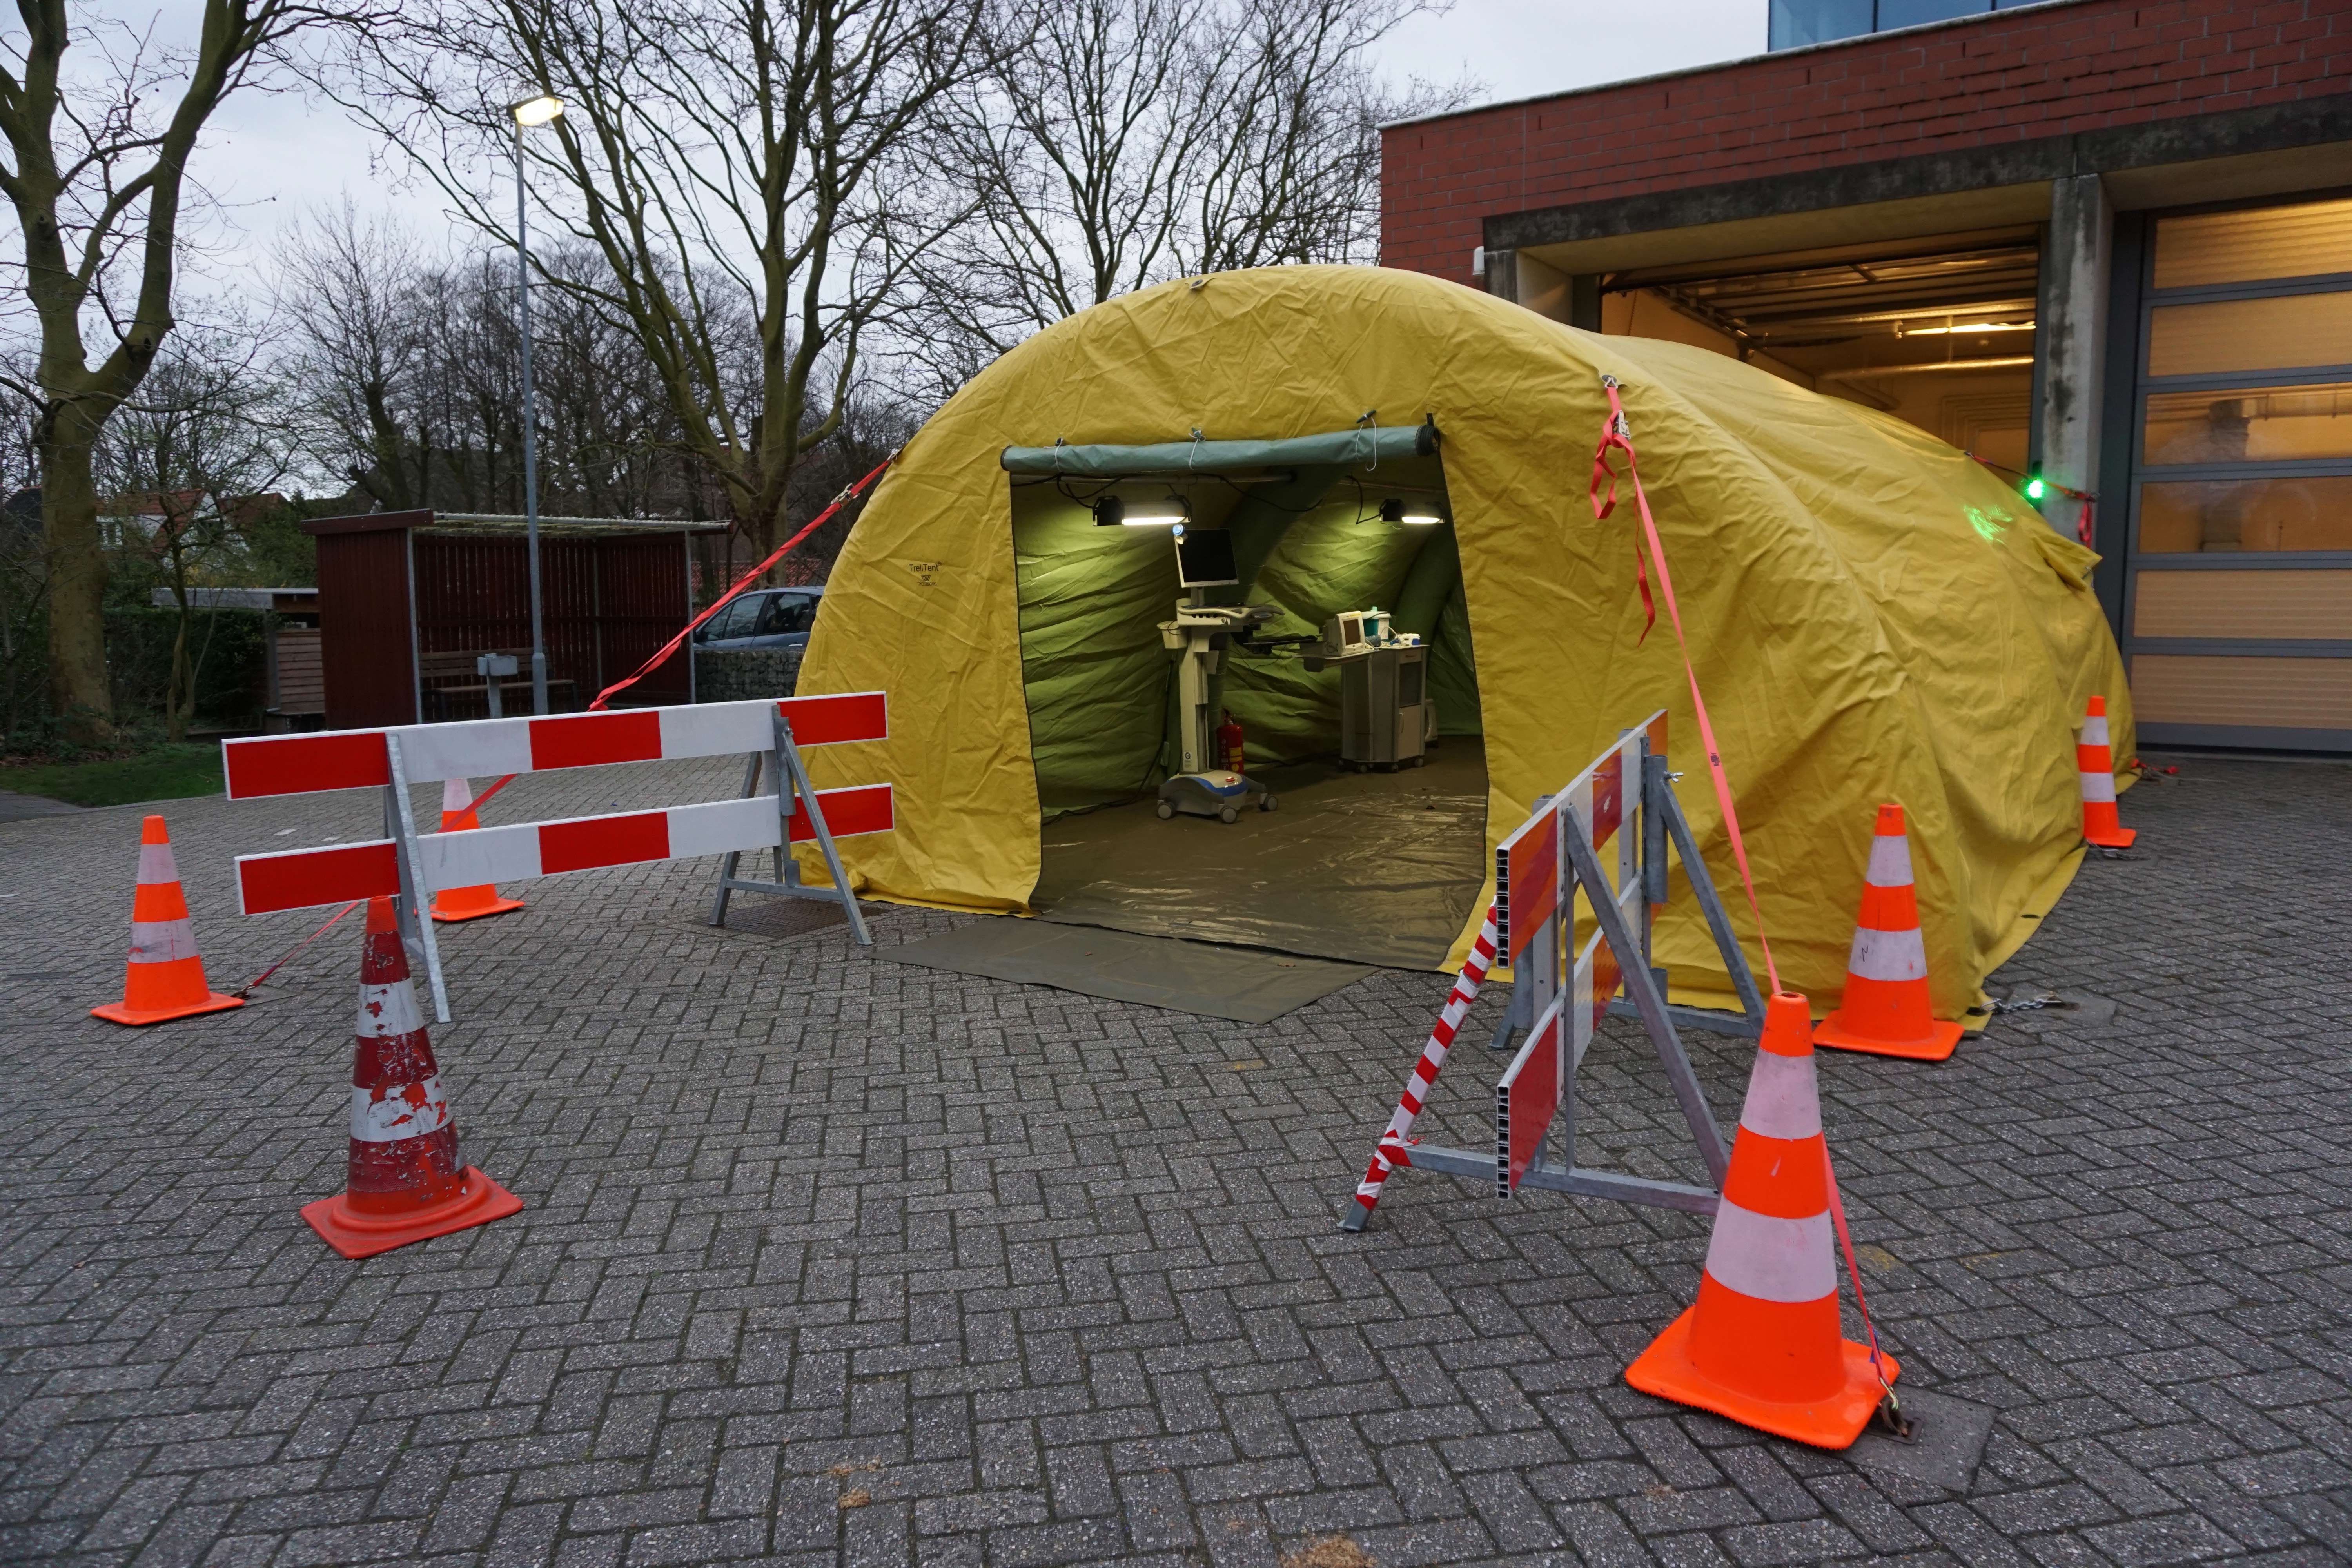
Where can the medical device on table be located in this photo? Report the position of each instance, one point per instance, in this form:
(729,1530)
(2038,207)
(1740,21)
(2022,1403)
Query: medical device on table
(1199,635)
(1386,719)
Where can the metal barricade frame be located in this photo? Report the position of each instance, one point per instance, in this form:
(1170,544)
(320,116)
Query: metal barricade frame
(1626,794)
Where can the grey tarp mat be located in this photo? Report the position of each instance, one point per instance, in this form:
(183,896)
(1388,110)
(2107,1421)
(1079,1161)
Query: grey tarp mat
(1213,982)
(1365,868)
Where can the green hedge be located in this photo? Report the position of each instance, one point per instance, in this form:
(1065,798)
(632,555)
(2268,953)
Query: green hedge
(233,684)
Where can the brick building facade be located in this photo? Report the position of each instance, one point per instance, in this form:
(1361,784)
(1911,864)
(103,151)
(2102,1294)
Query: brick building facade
(2103,242)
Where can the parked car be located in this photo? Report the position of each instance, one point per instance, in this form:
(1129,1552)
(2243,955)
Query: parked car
(771,617)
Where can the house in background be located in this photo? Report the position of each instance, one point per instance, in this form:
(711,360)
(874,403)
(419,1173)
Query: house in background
(294,696)
(2104,243)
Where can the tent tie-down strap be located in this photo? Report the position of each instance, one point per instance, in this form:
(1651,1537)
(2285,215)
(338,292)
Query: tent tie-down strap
(1618,435)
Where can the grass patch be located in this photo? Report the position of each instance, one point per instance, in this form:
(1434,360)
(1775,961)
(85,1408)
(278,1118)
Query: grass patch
(161,773)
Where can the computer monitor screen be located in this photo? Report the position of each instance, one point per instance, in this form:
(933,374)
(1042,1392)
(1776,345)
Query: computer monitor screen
(1204,559)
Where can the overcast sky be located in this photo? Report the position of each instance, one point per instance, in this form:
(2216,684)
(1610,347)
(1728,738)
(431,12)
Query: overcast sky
(273,157)
(1521,48)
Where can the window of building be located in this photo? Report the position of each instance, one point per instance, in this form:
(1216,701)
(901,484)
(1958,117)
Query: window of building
(1797,23)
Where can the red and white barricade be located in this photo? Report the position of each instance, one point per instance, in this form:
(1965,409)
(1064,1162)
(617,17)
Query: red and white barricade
(1604,835)
(414,867)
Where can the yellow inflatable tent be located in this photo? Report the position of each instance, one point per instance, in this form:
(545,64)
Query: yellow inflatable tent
(1872,618)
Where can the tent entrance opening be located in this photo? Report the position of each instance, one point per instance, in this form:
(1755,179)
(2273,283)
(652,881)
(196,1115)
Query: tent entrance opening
(1253,704)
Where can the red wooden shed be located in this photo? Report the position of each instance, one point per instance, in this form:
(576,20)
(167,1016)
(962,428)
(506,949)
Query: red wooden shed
(408,600)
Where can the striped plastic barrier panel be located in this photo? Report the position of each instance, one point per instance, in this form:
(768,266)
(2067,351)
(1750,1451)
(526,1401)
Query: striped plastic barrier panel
(298,879)
(356,758)
(1526,1100)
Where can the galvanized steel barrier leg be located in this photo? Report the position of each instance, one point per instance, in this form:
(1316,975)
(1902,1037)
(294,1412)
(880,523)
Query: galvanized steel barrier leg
(1653,1008)
(733,857)
(792,783)
(1667,810)
(1515,1015)
(789,755)
(400,824)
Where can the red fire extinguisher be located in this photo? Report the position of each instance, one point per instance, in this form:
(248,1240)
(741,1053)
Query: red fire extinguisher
(1229,741)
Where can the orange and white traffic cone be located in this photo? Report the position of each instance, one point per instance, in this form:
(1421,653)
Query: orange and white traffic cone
(1886,1010)
(465,903)
(166,978)
(407,1182)
(1762,1345)
(2096,764)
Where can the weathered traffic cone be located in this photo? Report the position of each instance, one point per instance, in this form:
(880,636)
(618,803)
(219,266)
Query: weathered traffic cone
(2096,765)
(1886,1010)
(165,977)
(1762,1345)
(465,903)
(407,1181)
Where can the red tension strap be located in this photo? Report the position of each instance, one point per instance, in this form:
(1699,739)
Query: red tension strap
(1618,433)
(745,581)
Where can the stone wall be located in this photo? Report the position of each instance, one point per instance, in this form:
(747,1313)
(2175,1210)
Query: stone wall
(735,675)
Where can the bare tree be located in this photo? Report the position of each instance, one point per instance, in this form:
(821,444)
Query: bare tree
(97,169)
(206,433)
(413,368)
(351,291)
(1076,146)
(1133,141)
(1294,169)
(732,162)
(24,573)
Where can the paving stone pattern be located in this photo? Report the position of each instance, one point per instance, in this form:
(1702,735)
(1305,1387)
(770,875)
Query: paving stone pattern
(833,1260)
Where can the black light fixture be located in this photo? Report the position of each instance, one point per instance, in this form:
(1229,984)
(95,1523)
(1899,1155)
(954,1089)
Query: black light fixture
(1393,511)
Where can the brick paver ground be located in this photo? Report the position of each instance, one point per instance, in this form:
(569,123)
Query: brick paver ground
(830,1259)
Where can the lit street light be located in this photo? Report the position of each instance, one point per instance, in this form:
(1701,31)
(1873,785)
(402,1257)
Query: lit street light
(534,111)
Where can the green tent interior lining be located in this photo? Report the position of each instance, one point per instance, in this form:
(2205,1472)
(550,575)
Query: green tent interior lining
(1310,542)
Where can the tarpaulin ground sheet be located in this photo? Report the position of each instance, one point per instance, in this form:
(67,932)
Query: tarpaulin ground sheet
(1370,868)
(1202,978)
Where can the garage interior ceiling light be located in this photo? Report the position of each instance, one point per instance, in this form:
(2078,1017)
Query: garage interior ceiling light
(1954,329)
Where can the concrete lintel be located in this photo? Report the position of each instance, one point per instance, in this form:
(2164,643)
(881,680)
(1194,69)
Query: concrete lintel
(2312,136)
(1963,214)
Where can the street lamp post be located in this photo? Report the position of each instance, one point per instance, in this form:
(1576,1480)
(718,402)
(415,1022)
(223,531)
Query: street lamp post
(535,110)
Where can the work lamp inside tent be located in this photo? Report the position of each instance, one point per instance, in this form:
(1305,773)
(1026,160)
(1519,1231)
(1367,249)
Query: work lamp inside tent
(1872,616)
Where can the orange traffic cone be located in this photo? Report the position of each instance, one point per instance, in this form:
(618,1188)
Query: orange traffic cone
(166,978)
(2096,764)
(465,903)
(406,1183)
(1762,1345)
(1885,1009)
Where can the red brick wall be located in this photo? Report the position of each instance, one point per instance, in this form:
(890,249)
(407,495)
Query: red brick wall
(2008,78)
